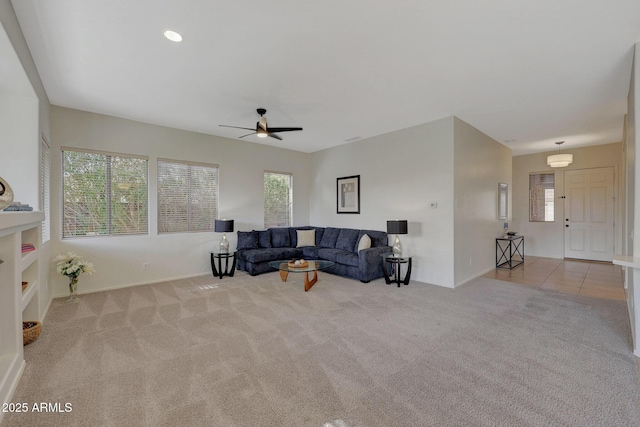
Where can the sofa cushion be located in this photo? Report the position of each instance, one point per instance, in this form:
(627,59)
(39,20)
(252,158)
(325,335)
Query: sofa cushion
(310,252)
(364,242)
(270,254)
(347,258)
(330,254)
(329,237)
(319,234)
(305,238)
(264,238)
(280,238)
(347,239)
(247,240)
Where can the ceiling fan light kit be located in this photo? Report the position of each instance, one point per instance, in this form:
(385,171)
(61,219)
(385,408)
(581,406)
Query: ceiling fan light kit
(559,160)
(262,130)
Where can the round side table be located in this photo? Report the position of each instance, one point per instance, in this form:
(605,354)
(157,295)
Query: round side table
(219,256)
(396,261)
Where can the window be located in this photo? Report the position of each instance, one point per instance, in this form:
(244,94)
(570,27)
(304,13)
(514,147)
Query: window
(541,197)
(104,194)
(187,196)
(45,167)
(277,199)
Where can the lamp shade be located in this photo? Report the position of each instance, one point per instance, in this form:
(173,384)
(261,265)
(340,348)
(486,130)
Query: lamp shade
(560,160)
(397,226)
(223,225)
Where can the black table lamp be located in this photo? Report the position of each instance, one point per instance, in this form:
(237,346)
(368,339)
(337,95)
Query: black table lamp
(397,227)
(223,226)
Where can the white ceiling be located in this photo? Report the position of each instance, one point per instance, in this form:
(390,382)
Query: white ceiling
(525,73)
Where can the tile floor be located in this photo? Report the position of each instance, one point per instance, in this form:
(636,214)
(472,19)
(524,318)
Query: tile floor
(594,279)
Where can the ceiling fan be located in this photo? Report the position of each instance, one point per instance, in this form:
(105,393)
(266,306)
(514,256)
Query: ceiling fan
(262,130)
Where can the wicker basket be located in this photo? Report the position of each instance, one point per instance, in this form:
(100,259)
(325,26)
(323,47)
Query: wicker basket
(30,331)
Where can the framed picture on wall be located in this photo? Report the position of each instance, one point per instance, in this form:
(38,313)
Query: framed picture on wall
(348,194)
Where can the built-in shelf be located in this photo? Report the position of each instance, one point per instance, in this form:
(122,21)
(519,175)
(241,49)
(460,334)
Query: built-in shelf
(28,258)
(17,305)
(27,294)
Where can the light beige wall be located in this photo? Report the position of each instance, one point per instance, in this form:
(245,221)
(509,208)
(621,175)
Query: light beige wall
(480,163)
(118,260)
(24,119)
(24,111)
(401,173)
(447,163)
(546,238)
(632,278)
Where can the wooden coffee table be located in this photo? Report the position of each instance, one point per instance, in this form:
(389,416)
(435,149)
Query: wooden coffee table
(313,266)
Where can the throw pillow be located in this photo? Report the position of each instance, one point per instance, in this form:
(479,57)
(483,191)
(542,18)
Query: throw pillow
(247,240)
(364,243)
(306,238)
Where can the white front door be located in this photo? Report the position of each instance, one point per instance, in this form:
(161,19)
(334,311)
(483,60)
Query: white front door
(588,214)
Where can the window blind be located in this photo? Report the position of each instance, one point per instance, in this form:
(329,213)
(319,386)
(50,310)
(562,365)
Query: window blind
(277,199)
(541,197)
(187,196)
(45,167)
(104,194)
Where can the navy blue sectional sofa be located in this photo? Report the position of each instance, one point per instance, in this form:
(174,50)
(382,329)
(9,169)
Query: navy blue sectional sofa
(356,253)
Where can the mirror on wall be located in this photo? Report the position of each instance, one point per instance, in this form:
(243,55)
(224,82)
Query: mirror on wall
(502,200)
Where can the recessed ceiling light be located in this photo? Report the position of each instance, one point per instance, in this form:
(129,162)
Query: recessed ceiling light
(173,36)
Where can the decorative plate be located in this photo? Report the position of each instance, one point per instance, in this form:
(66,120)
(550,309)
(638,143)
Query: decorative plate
(6,194)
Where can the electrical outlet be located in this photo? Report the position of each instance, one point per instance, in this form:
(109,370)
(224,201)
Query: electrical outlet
(145,266)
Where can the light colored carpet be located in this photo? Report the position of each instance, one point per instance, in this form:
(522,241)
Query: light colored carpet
(253,351)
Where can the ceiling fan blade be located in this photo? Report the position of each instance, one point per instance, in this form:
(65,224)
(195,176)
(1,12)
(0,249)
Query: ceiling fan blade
(235,127)
(275,136)
(252,133)
(283,129)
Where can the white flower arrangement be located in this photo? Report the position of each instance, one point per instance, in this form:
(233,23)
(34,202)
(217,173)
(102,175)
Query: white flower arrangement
(72,265)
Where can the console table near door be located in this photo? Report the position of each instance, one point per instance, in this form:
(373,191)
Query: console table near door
(509,251)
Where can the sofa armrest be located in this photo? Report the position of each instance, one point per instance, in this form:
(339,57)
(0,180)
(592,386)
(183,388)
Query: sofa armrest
(375,251)
(370,262)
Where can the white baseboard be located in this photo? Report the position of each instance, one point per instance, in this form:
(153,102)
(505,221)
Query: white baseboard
(482,273)
(11,380)
(129,285)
